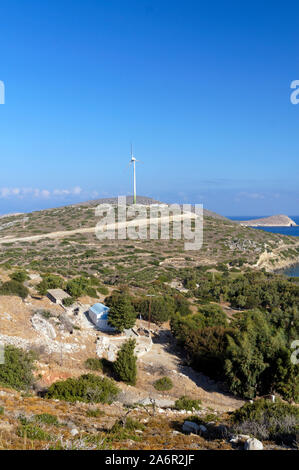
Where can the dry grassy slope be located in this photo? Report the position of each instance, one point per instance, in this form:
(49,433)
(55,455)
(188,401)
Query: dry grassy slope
(133,260)
(161,431)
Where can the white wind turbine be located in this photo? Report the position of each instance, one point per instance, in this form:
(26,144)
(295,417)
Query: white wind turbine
(133,161)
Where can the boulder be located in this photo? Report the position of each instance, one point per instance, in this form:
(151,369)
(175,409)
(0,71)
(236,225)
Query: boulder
(253,444)
(202,428)
(74,432)
(190,427)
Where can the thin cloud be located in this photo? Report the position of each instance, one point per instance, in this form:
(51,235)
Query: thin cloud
(38,193)
(251,195)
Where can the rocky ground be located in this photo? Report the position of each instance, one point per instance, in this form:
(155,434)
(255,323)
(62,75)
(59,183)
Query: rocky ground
(76,427)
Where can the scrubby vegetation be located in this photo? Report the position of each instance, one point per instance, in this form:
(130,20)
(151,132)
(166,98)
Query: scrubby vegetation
(163,384)
(94,363)
(47,418)
(19,276)
(14,288)
(268,421)
(17,370)
(50,281)
(251,353)
(88,388)
(125,429)
(32,431)
(188,404)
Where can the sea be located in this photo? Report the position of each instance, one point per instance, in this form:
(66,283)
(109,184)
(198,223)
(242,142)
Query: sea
(293,271)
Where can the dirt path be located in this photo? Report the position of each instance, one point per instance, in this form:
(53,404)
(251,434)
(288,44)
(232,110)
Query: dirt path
(107,227)
(165,359)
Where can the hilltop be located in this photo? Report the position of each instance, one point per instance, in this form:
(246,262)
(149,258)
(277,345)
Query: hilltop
(62,240)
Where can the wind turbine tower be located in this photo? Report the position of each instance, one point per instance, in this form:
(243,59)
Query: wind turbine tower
(133,161)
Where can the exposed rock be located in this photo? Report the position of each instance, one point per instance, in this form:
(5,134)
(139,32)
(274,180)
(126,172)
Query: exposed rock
(190,427)
(239,438)
(202,428)
(253,444)
(41,325)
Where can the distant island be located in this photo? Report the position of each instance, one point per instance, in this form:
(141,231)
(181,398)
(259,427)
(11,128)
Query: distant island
(272,221)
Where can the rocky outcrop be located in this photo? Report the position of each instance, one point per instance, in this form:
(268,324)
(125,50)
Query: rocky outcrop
(253,444)
(190,427)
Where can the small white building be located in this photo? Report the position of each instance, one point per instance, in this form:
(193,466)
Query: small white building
(98,314)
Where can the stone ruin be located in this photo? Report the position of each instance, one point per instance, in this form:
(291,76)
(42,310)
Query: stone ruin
(108,346)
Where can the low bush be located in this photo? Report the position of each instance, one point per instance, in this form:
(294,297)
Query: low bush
(19,276)
(68,301)
(50,281)
(163,384)
(186,403)
(125,429)
(94,413)
(14,288)
(87,388)
(45,313)
(79,286)
(266,420)
(17,370)
(103,290)
(94,363)
(47,418)
(31,431)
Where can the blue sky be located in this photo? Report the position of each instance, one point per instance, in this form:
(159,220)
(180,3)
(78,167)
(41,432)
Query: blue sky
(202,90)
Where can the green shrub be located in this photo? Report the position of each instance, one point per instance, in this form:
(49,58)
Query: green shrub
(125,429)
(163,384)
(186,403)
(160,308)
(68,301)
(103,290)
(17,370)
(14,288)
(31,431)
(269,421)
(47,418)
(1,410)
(211,315)
(125,365)
(94,363)
(50,281)
(45,313)
(262,408)
(19,276)
(79,286)
(94,413)
(87,388)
